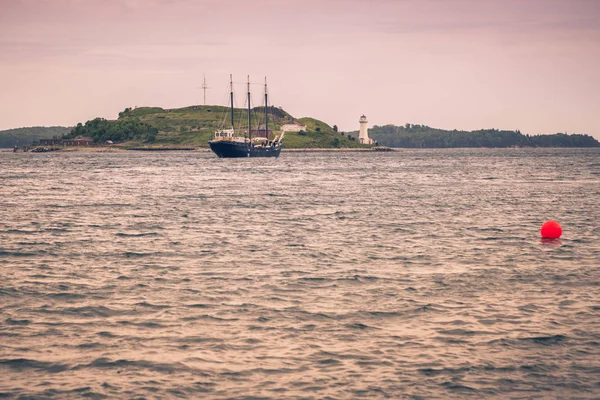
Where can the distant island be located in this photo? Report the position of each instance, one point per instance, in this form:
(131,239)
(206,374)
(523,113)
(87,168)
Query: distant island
(26,136)
(423,136)
(192,127)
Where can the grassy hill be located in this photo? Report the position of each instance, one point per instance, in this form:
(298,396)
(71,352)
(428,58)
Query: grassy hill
(25,136)
(195,125)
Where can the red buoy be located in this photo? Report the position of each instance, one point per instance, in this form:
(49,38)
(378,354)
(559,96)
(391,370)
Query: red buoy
(551,230)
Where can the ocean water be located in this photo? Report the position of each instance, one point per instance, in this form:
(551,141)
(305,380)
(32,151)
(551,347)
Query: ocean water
(412,274)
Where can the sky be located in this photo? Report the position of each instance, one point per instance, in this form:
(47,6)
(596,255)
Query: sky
(532,65)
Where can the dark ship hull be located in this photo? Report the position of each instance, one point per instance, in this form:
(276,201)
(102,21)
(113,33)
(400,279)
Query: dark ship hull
(231,149)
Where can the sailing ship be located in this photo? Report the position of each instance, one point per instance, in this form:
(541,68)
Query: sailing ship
(229,143)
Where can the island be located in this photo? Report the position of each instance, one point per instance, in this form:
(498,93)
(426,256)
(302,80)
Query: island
(193,127)
(190,128)
(423,136)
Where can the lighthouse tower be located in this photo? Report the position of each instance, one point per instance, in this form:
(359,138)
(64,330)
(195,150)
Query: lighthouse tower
(363,136)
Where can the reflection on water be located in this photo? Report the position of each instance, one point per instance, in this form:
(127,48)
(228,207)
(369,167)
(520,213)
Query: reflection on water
(551,242)
(414,273)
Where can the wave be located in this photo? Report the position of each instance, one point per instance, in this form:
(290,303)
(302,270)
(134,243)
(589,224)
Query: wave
(133,254)
(85,311)
(7,253)
(11,321)
(106,363)
(153,306)
(121,234)
(199,305)
(67,296)
(20,231)
(77,393)
(8,292)
(546,340)
(358,325)
(24,364)
(209,318)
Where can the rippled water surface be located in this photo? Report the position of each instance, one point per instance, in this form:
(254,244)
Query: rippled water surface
(413,274)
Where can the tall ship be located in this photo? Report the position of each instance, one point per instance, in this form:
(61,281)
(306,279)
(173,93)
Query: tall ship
(230,143)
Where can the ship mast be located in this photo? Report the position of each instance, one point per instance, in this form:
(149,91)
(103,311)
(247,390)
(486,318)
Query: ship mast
(249,130)
(204,87)
(231,98)
(266,113)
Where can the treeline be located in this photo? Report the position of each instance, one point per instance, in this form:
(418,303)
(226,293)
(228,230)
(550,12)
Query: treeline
(422,136)
(101,130)
(26,136)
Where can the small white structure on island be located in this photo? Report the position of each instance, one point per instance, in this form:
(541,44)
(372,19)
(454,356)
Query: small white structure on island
(293,126)
(363,135)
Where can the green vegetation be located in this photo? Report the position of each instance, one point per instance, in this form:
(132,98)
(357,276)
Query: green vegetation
(101,130)
(417,136)
(25,136)
(194,126)
(318,135)
(317,140)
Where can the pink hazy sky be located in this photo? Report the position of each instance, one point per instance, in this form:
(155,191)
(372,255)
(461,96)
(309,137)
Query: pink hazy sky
(532,65)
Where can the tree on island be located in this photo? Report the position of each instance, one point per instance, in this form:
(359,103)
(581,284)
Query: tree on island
(124,113)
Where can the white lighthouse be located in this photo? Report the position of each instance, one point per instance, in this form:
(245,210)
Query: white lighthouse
(363,136)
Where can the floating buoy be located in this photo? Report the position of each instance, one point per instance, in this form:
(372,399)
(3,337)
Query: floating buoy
(551,230)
